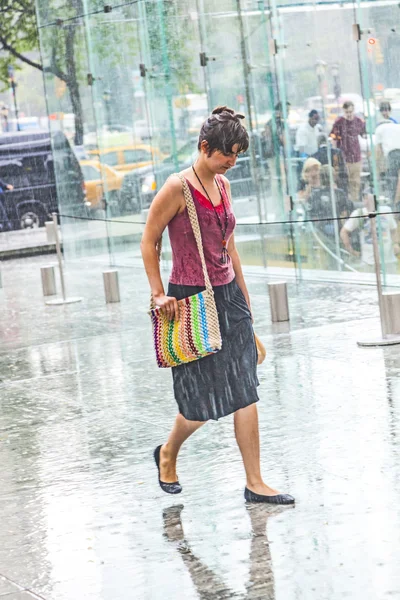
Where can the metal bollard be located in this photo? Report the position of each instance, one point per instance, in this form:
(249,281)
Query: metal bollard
(111,286)
(51,238)
(48,280)
(279,301)
(391,313)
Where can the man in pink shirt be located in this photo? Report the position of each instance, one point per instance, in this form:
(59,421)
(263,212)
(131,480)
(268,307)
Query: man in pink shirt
(345,132)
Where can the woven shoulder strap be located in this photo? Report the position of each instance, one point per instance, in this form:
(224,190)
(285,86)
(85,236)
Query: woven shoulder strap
(194,221)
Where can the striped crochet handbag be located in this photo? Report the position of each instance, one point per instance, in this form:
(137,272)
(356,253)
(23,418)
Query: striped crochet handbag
(196,334)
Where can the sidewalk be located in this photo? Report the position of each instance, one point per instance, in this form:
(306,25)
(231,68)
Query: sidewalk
(24,242)
(33,242)
(83,406)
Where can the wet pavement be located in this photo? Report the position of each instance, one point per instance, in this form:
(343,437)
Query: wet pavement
(83,405)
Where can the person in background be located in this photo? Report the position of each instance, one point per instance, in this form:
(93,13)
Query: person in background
(389,235)
(387,145)
(4,222)
(280,129)
(385,109)
(319,204)
(307,135)
(310,179)
(3,118)
(272,147)
(338,163)
(5,186)
(345,133)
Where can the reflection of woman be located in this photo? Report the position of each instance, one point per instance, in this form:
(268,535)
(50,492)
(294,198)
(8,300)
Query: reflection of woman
(310,178)
(225,382)
(208,585)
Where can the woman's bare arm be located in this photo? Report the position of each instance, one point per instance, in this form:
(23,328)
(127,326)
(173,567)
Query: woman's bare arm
(166,204)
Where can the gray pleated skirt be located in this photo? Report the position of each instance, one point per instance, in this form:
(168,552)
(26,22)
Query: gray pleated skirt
(221,383)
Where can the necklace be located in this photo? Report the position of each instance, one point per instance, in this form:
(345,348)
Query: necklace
(224,251)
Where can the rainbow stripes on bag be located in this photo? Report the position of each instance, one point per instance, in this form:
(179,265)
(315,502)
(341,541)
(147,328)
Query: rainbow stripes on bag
(190,338)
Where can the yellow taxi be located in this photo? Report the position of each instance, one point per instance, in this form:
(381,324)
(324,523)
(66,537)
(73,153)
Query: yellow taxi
(98,179)
(127,158)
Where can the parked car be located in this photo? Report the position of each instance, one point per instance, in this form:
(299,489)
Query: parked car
(99,179)
(140,186)
(126,158)
(28,163)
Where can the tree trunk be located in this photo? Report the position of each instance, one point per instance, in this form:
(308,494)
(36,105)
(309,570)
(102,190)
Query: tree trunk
(73,86)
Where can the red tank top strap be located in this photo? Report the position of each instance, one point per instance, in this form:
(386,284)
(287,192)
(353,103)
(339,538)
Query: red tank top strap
(204,201)
(223,186)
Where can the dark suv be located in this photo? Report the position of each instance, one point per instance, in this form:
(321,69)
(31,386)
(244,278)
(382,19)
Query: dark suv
(27,163)
(140,186)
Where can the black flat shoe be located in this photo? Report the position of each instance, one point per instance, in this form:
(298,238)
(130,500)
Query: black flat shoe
(169,488)
(278,499)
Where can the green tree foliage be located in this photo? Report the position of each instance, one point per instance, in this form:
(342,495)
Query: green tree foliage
(18,35)
(111,49)
(176,27)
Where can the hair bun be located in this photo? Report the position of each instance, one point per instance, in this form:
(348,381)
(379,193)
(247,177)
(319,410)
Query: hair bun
(220,109)
(225,109)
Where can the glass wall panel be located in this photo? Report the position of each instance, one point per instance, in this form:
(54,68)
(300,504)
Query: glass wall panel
(71,113)
(131,83)
(379,61)
(113,146)
(313,86)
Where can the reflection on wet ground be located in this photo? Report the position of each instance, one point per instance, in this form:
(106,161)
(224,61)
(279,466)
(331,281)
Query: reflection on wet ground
(83,406)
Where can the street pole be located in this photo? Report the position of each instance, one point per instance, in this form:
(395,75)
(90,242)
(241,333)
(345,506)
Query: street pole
(203,49)
(336,83)
(320,68)
(13,86)
(11,78)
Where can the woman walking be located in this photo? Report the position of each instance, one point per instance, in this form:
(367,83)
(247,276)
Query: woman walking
(224,382)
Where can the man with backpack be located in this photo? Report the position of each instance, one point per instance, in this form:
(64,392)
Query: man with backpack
(335,158)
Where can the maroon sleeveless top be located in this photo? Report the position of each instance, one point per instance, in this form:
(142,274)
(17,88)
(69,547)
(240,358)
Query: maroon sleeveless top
(186,264)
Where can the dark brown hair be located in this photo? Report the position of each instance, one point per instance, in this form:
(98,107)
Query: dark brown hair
(222,130)
(348,104)
(385,105)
